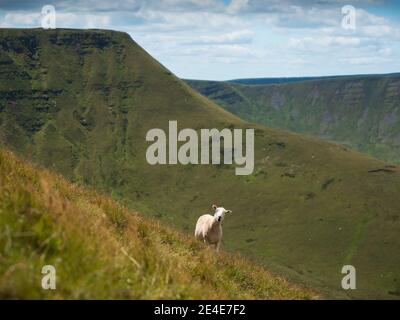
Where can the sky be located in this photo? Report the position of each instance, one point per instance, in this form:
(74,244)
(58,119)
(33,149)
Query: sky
(231,39)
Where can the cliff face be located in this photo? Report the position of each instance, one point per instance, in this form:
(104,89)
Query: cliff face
(42,75)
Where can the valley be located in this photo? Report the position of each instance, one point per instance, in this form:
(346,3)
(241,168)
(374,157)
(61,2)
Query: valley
(361,112)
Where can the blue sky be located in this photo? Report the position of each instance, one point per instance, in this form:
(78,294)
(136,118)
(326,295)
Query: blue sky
(227,39)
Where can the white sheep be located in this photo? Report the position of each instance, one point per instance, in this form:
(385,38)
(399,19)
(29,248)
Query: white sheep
(208,227)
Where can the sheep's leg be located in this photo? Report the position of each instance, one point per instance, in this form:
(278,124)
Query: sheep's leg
(217,245)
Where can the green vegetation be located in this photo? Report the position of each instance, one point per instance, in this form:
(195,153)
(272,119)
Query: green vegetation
(81,103)
(102,250)
(361,112)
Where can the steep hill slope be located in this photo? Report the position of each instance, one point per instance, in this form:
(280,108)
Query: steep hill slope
(362,112)
(81,102)
(102,250)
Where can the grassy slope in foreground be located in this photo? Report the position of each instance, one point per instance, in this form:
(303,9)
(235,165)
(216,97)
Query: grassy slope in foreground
(362,112)
(81,103)
(102,250)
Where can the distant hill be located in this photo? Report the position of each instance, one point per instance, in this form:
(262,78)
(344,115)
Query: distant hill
(259,81)
(81,102)
(361,112)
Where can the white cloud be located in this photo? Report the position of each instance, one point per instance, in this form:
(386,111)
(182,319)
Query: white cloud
(235,37)
(377,30)
(236,6)
(21,19)
(323,43)
(277,37)
(63,20)
(364,60)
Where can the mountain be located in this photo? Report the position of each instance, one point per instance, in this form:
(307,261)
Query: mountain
(101,250)
(259,81)
(361,112)
(81,102)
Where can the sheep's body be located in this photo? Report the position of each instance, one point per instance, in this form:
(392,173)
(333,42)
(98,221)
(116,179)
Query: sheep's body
(208,227)
(209,230)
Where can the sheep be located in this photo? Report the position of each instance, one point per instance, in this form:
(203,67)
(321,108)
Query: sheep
(208,227)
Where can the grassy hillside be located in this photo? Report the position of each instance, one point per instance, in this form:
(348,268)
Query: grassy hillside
(81,103)
(362,112)
(102,250)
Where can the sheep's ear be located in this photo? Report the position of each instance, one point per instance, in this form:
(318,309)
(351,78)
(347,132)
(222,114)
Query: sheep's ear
(214,206)
(228,211)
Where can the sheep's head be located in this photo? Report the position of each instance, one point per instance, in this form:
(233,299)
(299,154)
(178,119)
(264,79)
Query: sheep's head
(220,212)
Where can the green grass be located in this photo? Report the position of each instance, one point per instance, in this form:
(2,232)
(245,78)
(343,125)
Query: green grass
(96,93)
(101,250)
